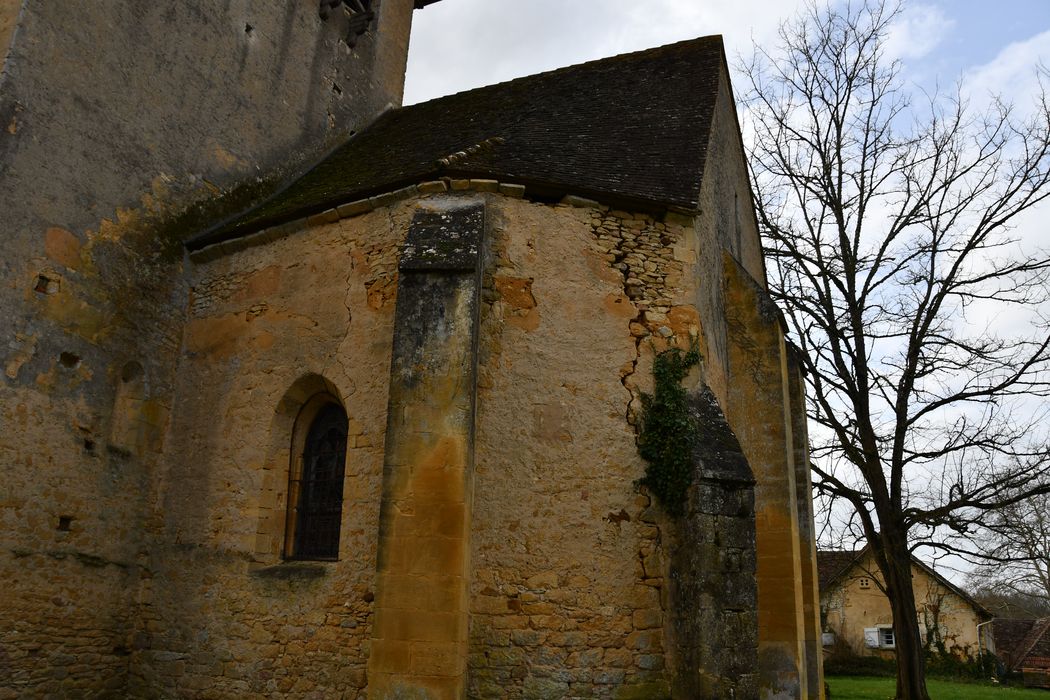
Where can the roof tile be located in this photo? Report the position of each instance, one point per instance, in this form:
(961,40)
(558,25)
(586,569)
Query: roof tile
(631,128)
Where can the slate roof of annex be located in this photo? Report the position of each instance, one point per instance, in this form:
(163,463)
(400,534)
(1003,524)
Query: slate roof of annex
(1015,638)
(632,128)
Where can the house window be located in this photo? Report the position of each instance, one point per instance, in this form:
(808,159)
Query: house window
(886,637)
(865,583)
(315,486)
(879,637)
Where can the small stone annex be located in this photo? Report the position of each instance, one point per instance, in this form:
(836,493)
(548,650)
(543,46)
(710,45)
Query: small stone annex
(307,395)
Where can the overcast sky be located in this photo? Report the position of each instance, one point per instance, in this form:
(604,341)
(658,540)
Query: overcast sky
(991,46)
(988,45)
(462,44)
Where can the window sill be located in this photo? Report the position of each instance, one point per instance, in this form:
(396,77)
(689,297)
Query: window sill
(292,570)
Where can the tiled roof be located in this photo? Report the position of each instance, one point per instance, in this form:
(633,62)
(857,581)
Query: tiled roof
(1010,638)
(1033,651)
(831,563)
(629,129)
(1036,647)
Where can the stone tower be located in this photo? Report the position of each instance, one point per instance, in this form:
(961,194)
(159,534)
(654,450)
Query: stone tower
(118,117)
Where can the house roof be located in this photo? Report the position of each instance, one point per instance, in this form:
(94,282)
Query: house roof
(832,565)
(1014,638)
(1034,652)
(629,129)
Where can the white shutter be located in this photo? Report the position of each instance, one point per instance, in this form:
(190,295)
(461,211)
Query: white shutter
(871,637)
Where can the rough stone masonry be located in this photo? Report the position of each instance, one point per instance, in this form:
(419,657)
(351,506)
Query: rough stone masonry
(216,226)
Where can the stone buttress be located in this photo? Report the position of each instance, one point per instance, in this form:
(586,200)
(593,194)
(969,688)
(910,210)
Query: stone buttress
(419,636)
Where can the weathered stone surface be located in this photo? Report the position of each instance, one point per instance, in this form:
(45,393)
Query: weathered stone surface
(757,358)
(433,186)
(482,185)
(555,539)
(712,586)
(811,612)
(576,201)
(447,238)
(146,540)
(512,190)
(114,117)
(429,458)
(354,208)
(270,327)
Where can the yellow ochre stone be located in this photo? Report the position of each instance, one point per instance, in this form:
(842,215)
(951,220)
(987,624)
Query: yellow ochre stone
(493,539)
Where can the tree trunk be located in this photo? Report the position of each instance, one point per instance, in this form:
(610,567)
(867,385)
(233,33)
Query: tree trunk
(911,658)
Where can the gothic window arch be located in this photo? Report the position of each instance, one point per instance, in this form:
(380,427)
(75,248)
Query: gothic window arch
(315,481)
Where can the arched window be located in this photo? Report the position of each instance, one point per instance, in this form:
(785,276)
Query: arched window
(315,484)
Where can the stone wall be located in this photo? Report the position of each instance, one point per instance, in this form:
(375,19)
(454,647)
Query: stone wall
(8,19)
(148,402)
(269,327)
(572,592)
(115,117)
(419,639)
(566,596)
(712,583)
(751,373)
(575,575)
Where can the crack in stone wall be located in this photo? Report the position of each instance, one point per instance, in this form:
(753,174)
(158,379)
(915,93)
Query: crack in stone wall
(652,258)
(642,250)
(592,630)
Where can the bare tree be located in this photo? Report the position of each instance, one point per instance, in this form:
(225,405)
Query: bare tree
(887,224)
(1015,553)
(1004,604)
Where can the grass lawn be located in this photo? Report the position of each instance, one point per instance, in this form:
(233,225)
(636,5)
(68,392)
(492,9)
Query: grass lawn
(852,688)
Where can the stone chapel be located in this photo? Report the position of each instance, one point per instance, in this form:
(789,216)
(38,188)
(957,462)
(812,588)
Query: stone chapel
(310,395)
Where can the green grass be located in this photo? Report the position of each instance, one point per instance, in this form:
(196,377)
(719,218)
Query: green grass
(859,688)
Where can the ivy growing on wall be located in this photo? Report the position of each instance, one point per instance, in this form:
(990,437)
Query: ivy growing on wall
(668,431)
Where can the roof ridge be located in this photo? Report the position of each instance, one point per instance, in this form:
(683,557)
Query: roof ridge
(827,578)
(574,66)
(944,581)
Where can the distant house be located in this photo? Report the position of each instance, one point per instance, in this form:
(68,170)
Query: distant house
(1023,646)
(855,612)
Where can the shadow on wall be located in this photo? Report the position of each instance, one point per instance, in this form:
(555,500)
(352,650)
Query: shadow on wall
(130,430)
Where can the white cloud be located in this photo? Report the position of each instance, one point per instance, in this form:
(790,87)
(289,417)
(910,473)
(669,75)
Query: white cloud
(1012,73)
(1013,76)
(917,32)
(461,44)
